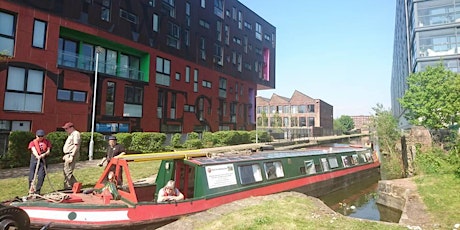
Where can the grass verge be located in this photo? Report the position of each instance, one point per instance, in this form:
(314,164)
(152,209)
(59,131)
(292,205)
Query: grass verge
(440,193)
(19,186)
(290,212)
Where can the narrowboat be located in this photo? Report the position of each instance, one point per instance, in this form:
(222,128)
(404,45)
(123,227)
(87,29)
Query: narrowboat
(206,179)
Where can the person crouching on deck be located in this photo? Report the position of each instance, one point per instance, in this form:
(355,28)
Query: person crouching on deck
(169,193)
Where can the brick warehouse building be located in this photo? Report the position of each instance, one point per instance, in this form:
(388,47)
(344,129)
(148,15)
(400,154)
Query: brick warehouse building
(298,116)
(163,65)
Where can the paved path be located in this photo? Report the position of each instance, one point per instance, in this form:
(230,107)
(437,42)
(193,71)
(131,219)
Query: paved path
(24,171)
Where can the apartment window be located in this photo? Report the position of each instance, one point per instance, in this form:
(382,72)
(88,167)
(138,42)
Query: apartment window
(173,106)
(71,95)
(39,35)
(105,10)
(218,54)
(247,25)
(302,108)
(227,34)
(258,31)
(195,80)
(110,98)
(245,44)
(240,62)
(155,22)
(186,38)
(187,13)
(187,74)
(178,76)
(267,37)
(163,71)
(204,23)
(129,67)
(311,121)
(206,84)
(250,174)
(236,91)
(223,87)
(203,3)
(219,30)
(201,109)
(233,112)
(24,90)
(7,32)
(67,53)
(310,108)
(173,38)
(152,3)
(160,103)
(202,48)
(189,108)
(133,101)
(240,20)
(302,121)
(237,40)
(128,16)
(169,6)
(219,8)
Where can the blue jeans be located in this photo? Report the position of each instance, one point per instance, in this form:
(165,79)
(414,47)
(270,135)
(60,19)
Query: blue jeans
(40,173)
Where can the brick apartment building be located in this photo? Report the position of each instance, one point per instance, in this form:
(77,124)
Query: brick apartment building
(298,116)
(362,122)
(163,65)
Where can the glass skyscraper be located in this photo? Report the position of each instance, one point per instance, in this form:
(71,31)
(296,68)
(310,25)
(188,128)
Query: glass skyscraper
(426,33)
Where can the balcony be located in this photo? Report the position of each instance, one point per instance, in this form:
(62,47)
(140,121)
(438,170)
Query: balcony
(86,63)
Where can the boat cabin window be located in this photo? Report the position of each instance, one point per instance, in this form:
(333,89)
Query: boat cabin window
(333,162)
(346,161)
(369,157)
(354,159)
(363,157)
(325,164)
(273,170)
(250,173)
(310,167)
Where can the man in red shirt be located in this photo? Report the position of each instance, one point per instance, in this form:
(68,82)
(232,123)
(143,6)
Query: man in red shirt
(40,148)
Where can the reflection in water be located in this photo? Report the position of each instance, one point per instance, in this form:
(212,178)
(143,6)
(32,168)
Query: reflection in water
(358,200)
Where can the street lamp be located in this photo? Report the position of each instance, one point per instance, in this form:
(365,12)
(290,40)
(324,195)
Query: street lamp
(93,119)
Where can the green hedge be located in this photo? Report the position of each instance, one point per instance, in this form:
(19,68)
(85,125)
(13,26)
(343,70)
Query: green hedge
(143,142)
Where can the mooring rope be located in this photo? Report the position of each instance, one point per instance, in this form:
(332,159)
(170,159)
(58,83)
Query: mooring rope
(55,196)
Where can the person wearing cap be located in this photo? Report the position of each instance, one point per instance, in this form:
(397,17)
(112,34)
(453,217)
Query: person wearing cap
(40,148)
(71,151)
(114,150)
(169,193)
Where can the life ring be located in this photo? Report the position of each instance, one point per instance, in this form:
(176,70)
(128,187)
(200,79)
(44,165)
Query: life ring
(13,218)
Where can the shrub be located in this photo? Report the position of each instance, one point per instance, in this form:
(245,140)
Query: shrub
(148,142)
(18,153)
(433,161)
(175,140)
(125,139)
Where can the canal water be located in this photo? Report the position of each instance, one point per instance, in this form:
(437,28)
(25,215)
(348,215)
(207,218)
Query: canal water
(359,200)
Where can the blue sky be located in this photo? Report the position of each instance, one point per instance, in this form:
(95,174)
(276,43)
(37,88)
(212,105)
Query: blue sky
(337,51)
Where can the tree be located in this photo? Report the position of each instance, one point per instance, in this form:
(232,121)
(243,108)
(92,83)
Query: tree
(344,123)
(433,98)
(386,128)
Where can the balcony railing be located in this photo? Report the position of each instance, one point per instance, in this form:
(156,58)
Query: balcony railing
(73,60)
